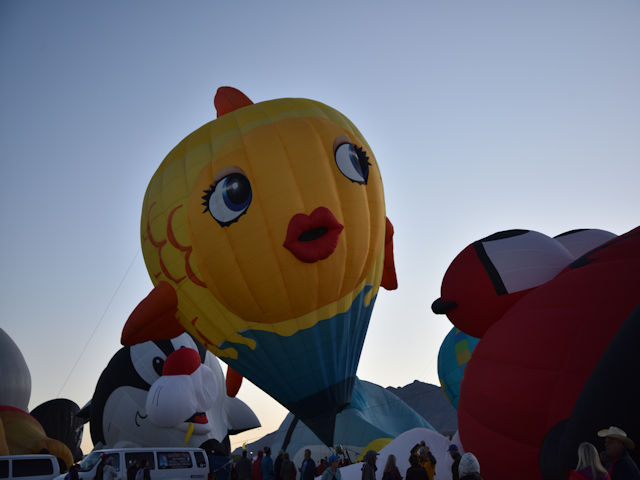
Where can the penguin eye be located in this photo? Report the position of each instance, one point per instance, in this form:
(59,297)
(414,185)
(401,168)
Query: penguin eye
(228,199)
(352,162)
(147,359)
(158,363)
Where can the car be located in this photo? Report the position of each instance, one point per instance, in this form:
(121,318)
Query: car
(164,463)
(29,467)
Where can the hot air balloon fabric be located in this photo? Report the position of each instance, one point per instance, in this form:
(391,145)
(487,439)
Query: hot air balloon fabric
(20,432)
(167,392)
(455,352)
(265,234)
(561,354)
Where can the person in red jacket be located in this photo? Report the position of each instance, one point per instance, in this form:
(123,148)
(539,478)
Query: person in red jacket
(256,473)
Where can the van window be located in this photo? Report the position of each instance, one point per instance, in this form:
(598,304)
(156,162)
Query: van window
(88,462)
(115,460)
(4,468)
(137,457)
(31,467)
(174,460)
(200,460)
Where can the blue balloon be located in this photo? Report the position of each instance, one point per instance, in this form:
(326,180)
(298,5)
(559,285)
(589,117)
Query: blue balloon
(455,352)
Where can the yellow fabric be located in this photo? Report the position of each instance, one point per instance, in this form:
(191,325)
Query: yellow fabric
(229,279)
(377,445)
(23,434)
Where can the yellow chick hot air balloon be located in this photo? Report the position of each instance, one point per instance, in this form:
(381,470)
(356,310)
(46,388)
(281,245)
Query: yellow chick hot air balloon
(265,234)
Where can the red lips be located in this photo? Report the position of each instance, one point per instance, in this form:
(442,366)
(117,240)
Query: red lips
(313,237)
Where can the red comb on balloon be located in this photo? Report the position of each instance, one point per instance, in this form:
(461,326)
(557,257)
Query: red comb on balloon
(228,99)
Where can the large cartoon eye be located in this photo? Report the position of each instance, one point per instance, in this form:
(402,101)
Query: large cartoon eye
(148,359)
(352,162)
(228,198)
(158,363)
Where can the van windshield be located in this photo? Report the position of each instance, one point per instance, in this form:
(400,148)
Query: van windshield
(89,461)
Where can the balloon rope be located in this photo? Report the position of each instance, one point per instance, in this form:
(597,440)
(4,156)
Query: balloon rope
(99,322)
(189,433)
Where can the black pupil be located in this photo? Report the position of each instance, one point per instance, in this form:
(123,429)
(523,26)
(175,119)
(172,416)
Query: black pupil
(362,163)
(237,188)
(158,363)
(312,234)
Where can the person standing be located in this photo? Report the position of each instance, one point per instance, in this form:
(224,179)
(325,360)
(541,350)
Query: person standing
(308,467)
(256,471)
(369,468)
(132,469)
(277,463)
(332,472)
(391,471)
(109,472)
(267,465)
(616,458)
(415,471)
(244,467)
(143,471)
(455,454)
(589,466)
(469,468)
(287,468)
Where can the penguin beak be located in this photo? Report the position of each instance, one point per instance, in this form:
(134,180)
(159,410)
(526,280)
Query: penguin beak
(441,307)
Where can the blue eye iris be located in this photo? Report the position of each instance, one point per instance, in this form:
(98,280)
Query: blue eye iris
(228,199)
(352,162)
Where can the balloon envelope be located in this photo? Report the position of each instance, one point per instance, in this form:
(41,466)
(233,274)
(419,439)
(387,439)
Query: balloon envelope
(455,352)
(269,224)
(59,420)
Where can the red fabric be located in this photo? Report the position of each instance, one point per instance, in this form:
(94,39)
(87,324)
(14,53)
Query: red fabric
(389,280)
(228,99)
(154,318)
(467,283)
(183,361)
(233,382)
(310,251)
(531,365)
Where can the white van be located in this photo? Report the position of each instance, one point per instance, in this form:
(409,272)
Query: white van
(29,467)
(163,463)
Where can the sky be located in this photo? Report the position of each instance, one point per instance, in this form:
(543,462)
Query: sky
(482,115)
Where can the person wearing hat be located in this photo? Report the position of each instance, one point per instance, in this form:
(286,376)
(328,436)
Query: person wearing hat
(332,472)
(616,458)
(455,454)
(369,468)
(469,468)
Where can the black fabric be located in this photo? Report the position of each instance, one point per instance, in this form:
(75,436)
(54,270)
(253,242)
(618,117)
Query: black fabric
(490,268)
(611,396)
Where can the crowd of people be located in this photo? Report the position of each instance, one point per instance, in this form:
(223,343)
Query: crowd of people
(263,467)
(613,463)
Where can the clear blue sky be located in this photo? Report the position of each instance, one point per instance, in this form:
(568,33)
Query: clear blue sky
(483,116)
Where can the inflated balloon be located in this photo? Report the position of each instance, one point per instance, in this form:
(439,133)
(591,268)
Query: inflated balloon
(374,413)
(265,234)
(491,274)
(59,420)
(545,363)
(455,352)
(15,386)
(164,393)
(23,435)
